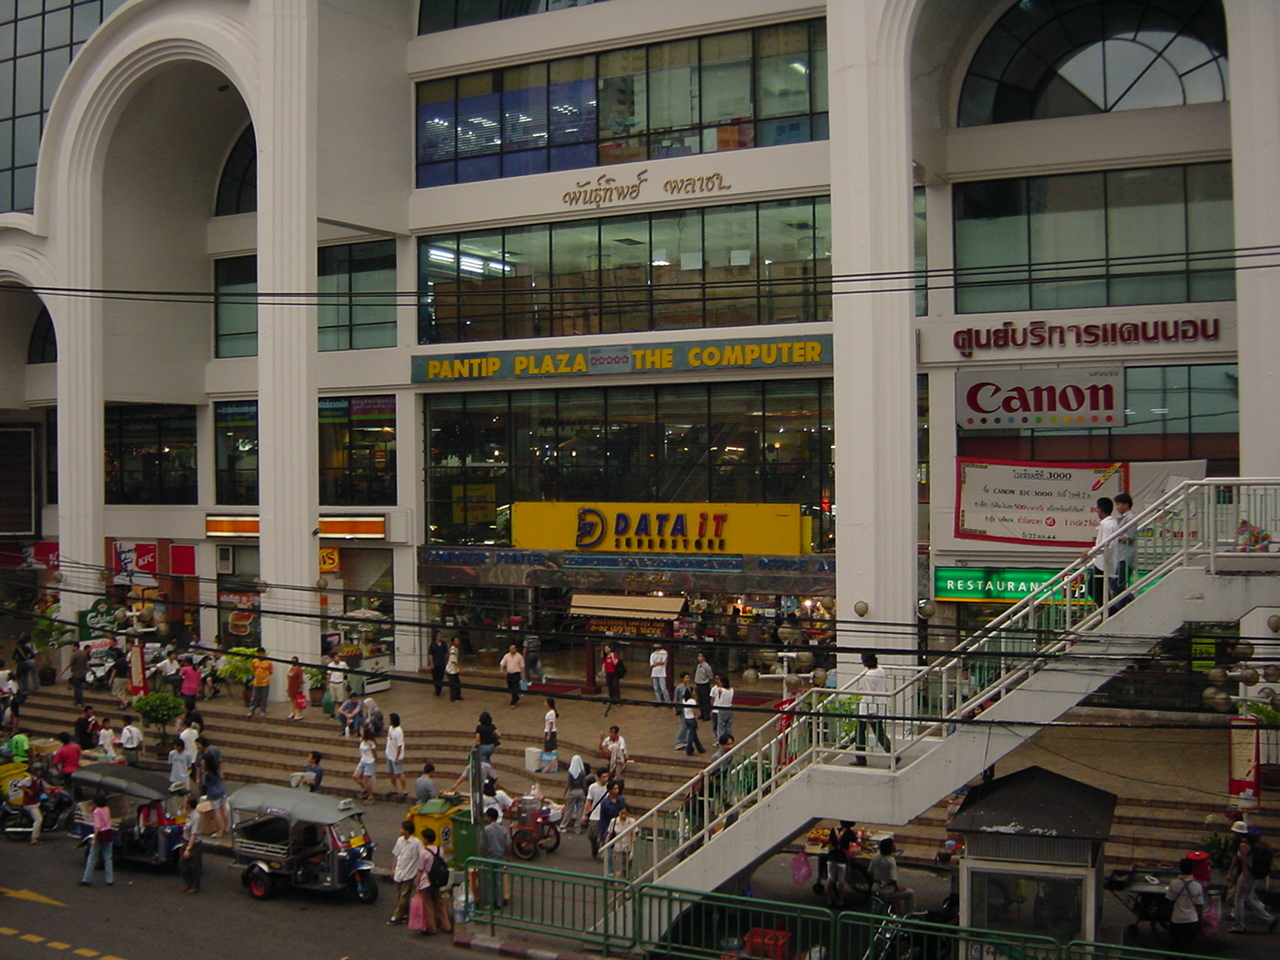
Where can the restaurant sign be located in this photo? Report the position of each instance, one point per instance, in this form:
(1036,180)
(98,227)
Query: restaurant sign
(695,355)
(698,528)
(987,584)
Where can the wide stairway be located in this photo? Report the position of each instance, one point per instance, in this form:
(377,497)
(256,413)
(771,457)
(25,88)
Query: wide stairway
(951,719)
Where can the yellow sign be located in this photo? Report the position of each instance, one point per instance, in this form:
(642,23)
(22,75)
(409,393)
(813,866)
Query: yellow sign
(701,528)
(328,559)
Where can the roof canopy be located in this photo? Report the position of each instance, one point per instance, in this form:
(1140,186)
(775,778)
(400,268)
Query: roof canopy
(1037,802)
(116,778)
(263,798)
(624,607)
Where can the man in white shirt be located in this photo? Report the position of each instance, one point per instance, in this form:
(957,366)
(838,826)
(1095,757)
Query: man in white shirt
(337,680)
(873,683)
(395,758)
(614,748)
(130,741)
(1102,566)
(404,871)
(595,793)
(658,673)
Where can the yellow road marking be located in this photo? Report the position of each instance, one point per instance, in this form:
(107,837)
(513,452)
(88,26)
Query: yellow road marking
(110,957)
(85,952)
(57,945)
(31,938)
(8,931)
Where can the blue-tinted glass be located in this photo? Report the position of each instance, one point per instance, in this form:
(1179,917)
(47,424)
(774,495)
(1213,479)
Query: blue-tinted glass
(24,188)
(573,157)
(6,88)
(771,133)
(111,6)
(85,19)
(436,15)
(56,63)
(435,174)
(435,131)
(57,29)
(524,107)
(27,85)
(26,140)
(8,9)
(479,168)
(29,8)
(6,40)
(477,11)
(571,100)
(6,143)
(28,37)
(526,162)
(479,116)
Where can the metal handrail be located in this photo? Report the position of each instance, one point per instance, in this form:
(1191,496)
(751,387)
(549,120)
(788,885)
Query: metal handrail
(1189,523)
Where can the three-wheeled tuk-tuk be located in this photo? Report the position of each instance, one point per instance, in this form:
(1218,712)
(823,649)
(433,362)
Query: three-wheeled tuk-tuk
(293,837)
(146,814)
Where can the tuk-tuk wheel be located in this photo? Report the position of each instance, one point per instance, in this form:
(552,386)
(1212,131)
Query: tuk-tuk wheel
(262,886)
(365,886)
(523,843)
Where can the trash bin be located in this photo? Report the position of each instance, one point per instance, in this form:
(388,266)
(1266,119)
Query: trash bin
(465,836)
(436,814)
(1200,870)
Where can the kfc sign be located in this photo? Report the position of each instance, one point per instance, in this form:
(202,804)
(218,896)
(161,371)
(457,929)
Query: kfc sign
(1040,399)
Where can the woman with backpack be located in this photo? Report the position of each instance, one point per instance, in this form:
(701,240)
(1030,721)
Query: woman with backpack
(433,886)
(1251,863)
(1187,898)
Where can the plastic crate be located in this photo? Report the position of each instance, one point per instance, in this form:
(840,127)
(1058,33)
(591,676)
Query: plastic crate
(767,944)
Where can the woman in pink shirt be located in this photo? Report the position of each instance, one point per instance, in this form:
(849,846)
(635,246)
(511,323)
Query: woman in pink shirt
(191,683)
(103,843)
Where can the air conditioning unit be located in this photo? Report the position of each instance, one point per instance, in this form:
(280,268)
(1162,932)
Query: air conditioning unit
(226,559)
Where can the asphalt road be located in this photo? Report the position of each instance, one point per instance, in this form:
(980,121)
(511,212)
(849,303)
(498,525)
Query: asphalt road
(45,913)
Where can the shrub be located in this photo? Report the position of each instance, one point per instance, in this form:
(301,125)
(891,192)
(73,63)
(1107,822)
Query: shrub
(159,708)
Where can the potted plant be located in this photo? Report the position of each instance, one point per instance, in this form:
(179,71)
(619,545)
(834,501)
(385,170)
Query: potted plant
(316,684)
(237,666)
(1269,742)
(157,711)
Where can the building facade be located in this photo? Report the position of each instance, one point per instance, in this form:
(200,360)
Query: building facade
(324,305)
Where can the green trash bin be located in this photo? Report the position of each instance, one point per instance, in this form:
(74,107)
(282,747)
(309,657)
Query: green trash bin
(465,836)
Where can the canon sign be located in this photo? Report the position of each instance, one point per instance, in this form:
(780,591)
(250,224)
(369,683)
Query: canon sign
(1040,399)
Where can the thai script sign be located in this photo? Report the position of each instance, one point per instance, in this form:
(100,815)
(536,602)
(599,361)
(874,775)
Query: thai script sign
(1040,399)
(1047,503)
(593,361)
(690,528)
(605,190)
(1039,335)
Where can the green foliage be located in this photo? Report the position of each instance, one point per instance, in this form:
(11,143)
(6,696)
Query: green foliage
(238,664)
(159,708)
(315,678)
(1264,713)
(1220,847)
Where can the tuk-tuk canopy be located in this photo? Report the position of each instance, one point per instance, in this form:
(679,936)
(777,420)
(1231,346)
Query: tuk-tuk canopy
(292,804)
(115,778)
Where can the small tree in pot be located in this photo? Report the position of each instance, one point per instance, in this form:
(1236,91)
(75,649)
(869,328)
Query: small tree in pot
(157,711)
(316,684)
(237,665)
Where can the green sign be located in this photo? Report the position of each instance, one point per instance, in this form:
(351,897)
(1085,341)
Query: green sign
(99,621)
(987,583)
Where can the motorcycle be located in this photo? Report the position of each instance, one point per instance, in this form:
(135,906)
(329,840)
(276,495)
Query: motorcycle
(57,805)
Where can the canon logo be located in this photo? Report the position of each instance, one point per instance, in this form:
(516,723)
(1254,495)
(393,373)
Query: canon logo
(989,397)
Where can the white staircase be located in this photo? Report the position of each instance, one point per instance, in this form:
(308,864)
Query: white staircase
(951,719)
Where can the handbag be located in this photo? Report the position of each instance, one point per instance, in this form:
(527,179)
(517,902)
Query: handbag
(801,869)
(1210,919)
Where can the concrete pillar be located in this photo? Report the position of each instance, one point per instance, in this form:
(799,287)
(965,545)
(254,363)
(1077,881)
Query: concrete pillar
(1253,28)
(875,394)
(287,416)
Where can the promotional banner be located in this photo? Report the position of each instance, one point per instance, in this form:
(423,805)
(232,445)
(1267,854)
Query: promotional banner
(1243,776)
(1048,503)
(1041,398)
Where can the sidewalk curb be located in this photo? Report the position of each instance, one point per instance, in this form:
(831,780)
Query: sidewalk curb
(513,948)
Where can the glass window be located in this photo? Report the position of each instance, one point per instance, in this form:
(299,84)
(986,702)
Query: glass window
(1069,239)
(527,281)
(735,429)
(357,451)
(624,274)
(921,244)
(782,71)
(437,15)
(479,118)
(42,347)
(236,306)
(238,186)
(571,99)
(236,452)
(677,270)
(673,85)
(437,122)
(623,105)
(730,233)
(524,107)
(356,309)
(150,454)
(1061,59)
(575,278)
(727,104)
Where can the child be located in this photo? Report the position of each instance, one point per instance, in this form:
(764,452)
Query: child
(179,766)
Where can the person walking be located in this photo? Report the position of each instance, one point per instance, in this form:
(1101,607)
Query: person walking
(190,683)
(436,917)
(24,656)
(722,707)
(613,748)
(512,666)
(101,844)
(595,794)
(438,656)
(623,837)
(367,766)
(1126,547)
(77,670)
(86,728)
(703,674)
(691,741)
(405,856)
(395,759)
(453,670)
(191,861)
(130,741)
(684,689)
(495,840)
(119,674)
(295,690)
(66,759)
(209,775)
(609,808)
(260,690)
(487,737)
(337,679)
(533,672)
(658,673)
(1251,863)
(179,765)
(612,676)
(872,684)
(575,797)
(1187,897)
(1102,565)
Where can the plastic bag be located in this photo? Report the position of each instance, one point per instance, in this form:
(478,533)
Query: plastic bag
(326,703)
(1210,919)
(801,871)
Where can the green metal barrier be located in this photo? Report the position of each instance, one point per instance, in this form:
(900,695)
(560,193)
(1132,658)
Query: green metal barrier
(708,926)
(592,910)
(863,936)
(1083,950)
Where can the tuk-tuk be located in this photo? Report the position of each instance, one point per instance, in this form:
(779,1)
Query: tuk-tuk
(293,837)
(146,814)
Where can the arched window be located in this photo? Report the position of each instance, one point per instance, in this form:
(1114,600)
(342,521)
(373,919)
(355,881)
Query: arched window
(43,345)
(238,188)
(1068,58)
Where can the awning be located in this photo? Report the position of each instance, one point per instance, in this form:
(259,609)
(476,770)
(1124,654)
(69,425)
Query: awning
(626,608)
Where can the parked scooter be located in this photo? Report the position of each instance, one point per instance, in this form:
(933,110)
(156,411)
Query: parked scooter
(57,805)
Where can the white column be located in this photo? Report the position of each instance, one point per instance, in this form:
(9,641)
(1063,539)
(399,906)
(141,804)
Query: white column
(1253,39)
(875,393)
(287,432)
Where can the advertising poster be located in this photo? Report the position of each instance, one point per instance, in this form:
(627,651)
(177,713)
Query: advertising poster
(1048,503)
(1242,778)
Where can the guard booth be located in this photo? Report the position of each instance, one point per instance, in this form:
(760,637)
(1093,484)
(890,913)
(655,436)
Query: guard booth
(1034,843)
